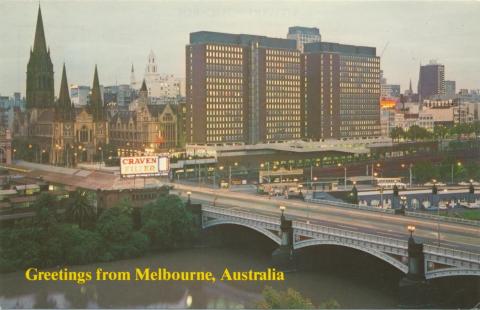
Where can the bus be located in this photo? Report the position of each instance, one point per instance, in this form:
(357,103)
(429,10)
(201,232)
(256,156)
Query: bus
(389,183)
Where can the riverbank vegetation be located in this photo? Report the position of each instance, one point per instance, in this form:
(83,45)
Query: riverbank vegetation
(81,235)
(290,299)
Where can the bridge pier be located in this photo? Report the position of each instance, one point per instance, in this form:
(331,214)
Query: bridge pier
(414,289)
(283,257)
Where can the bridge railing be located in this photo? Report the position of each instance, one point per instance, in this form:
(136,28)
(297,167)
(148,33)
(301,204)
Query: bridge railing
(452,253)
(337,232)
(349,205)
(442,218)
(352,235)
(242,214)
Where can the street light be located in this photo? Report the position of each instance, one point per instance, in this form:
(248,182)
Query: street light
(345,175)
(411,229)
(189,194)
(282,209)
(459,164)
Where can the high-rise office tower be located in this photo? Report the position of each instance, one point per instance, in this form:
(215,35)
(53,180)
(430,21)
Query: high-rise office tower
(431,80)
(450,88)
(341,91)
(242,88)
(304,35)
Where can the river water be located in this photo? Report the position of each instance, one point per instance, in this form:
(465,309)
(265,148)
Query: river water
(350,292)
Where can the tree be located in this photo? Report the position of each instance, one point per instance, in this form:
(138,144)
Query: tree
(289,299)
(80,209)
(397,133)
(416,132)
(440,132)
(115,226)
(45,208)
(167,222)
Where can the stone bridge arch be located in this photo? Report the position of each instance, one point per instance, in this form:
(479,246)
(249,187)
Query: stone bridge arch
(275,238)
(381,255)
(451,272)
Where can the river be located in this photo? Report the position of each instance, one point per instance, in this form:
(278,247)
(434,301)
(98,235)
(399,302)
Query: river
(350,291)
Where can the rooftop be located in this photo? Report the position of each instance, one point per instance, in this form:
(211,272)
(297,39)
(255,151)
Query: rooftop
(345,49)
(203,37)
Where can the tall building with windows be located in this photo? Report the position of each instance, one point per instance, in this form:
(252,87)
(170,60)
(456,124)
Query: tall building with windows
(304,35)
(450,88)
(431,81)
(242,89)
(341,91)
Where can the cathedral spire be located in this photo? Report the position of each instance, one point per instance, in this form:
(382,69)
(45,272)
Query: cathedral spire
(64,104)
(133,81)
(96,102)
(40,44)
(40,88)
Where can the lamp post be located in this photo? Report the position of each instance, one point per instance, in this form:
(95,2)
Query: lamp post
(282,209)
(230,174)
(381,196)
(345,176)
(459,164)
(411,229)
(188,195)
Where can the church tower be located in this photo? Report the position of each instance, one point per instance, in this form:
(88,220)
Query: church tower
(133,80)
(40,91)
(64,110)
(96,107)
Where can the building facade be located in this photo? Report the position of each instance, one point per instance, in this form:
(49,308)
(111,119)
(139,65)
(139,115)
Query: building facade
(431,81)
(304,35)
(242,89)
(145,128)
(341,91)
(159,85)
(60,132)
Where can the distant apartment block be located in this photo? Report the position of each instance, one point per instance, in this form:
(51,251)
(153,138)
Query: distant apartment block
(341,96)
(304,35)
(431,81)
(79,95)
(242,89)
(450,88)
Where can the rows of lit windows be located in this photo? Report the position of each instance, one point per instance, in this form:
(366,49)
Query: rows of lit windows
(282,100)
(279,52)
(231,106)
(224,80)
(283,59)
(224,68)
(224,86)
(223,61)
(224,99)
(224,126)
(237,114)
(223,93)
(223,48)
(288,80)
(225,55)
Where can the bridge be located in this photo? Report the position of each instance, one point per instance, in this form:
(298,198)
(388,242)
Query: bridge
(435,261)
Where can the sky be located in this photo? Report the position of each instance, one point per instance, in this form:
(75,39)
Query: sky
(116,34)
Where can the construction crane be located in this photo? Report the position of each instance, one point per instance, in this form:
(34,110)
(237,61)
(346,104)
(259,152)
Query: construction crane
(384,48)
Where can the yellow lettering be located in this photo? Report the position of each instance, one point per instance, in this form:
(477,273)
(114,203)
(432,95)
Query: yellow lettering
(29,276)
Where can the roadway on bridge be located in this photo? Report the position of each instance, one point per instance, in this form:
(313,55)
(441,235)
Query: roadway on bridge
(458,236)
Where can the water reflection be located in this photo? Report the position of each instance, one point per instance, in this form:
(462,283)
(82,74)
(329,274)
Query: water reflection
(16,292)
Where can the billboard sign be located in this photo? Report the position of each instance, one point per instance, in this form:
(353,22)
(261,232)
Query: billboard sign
(144,166)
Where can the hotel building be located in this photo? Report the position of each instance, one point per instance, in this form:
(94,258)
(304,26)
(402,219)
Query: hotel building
(242,89)
(340,91)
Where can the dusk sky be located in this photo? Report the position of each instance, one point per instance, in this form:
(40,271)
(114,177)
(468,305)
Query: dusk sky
(115,34)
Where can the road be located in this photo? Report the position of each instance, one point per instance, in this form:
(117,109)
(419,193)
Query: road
(458,236)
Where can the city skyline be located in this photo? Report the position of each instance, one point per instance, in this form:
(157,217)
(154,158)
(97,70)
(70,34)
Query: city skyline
(82,44)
